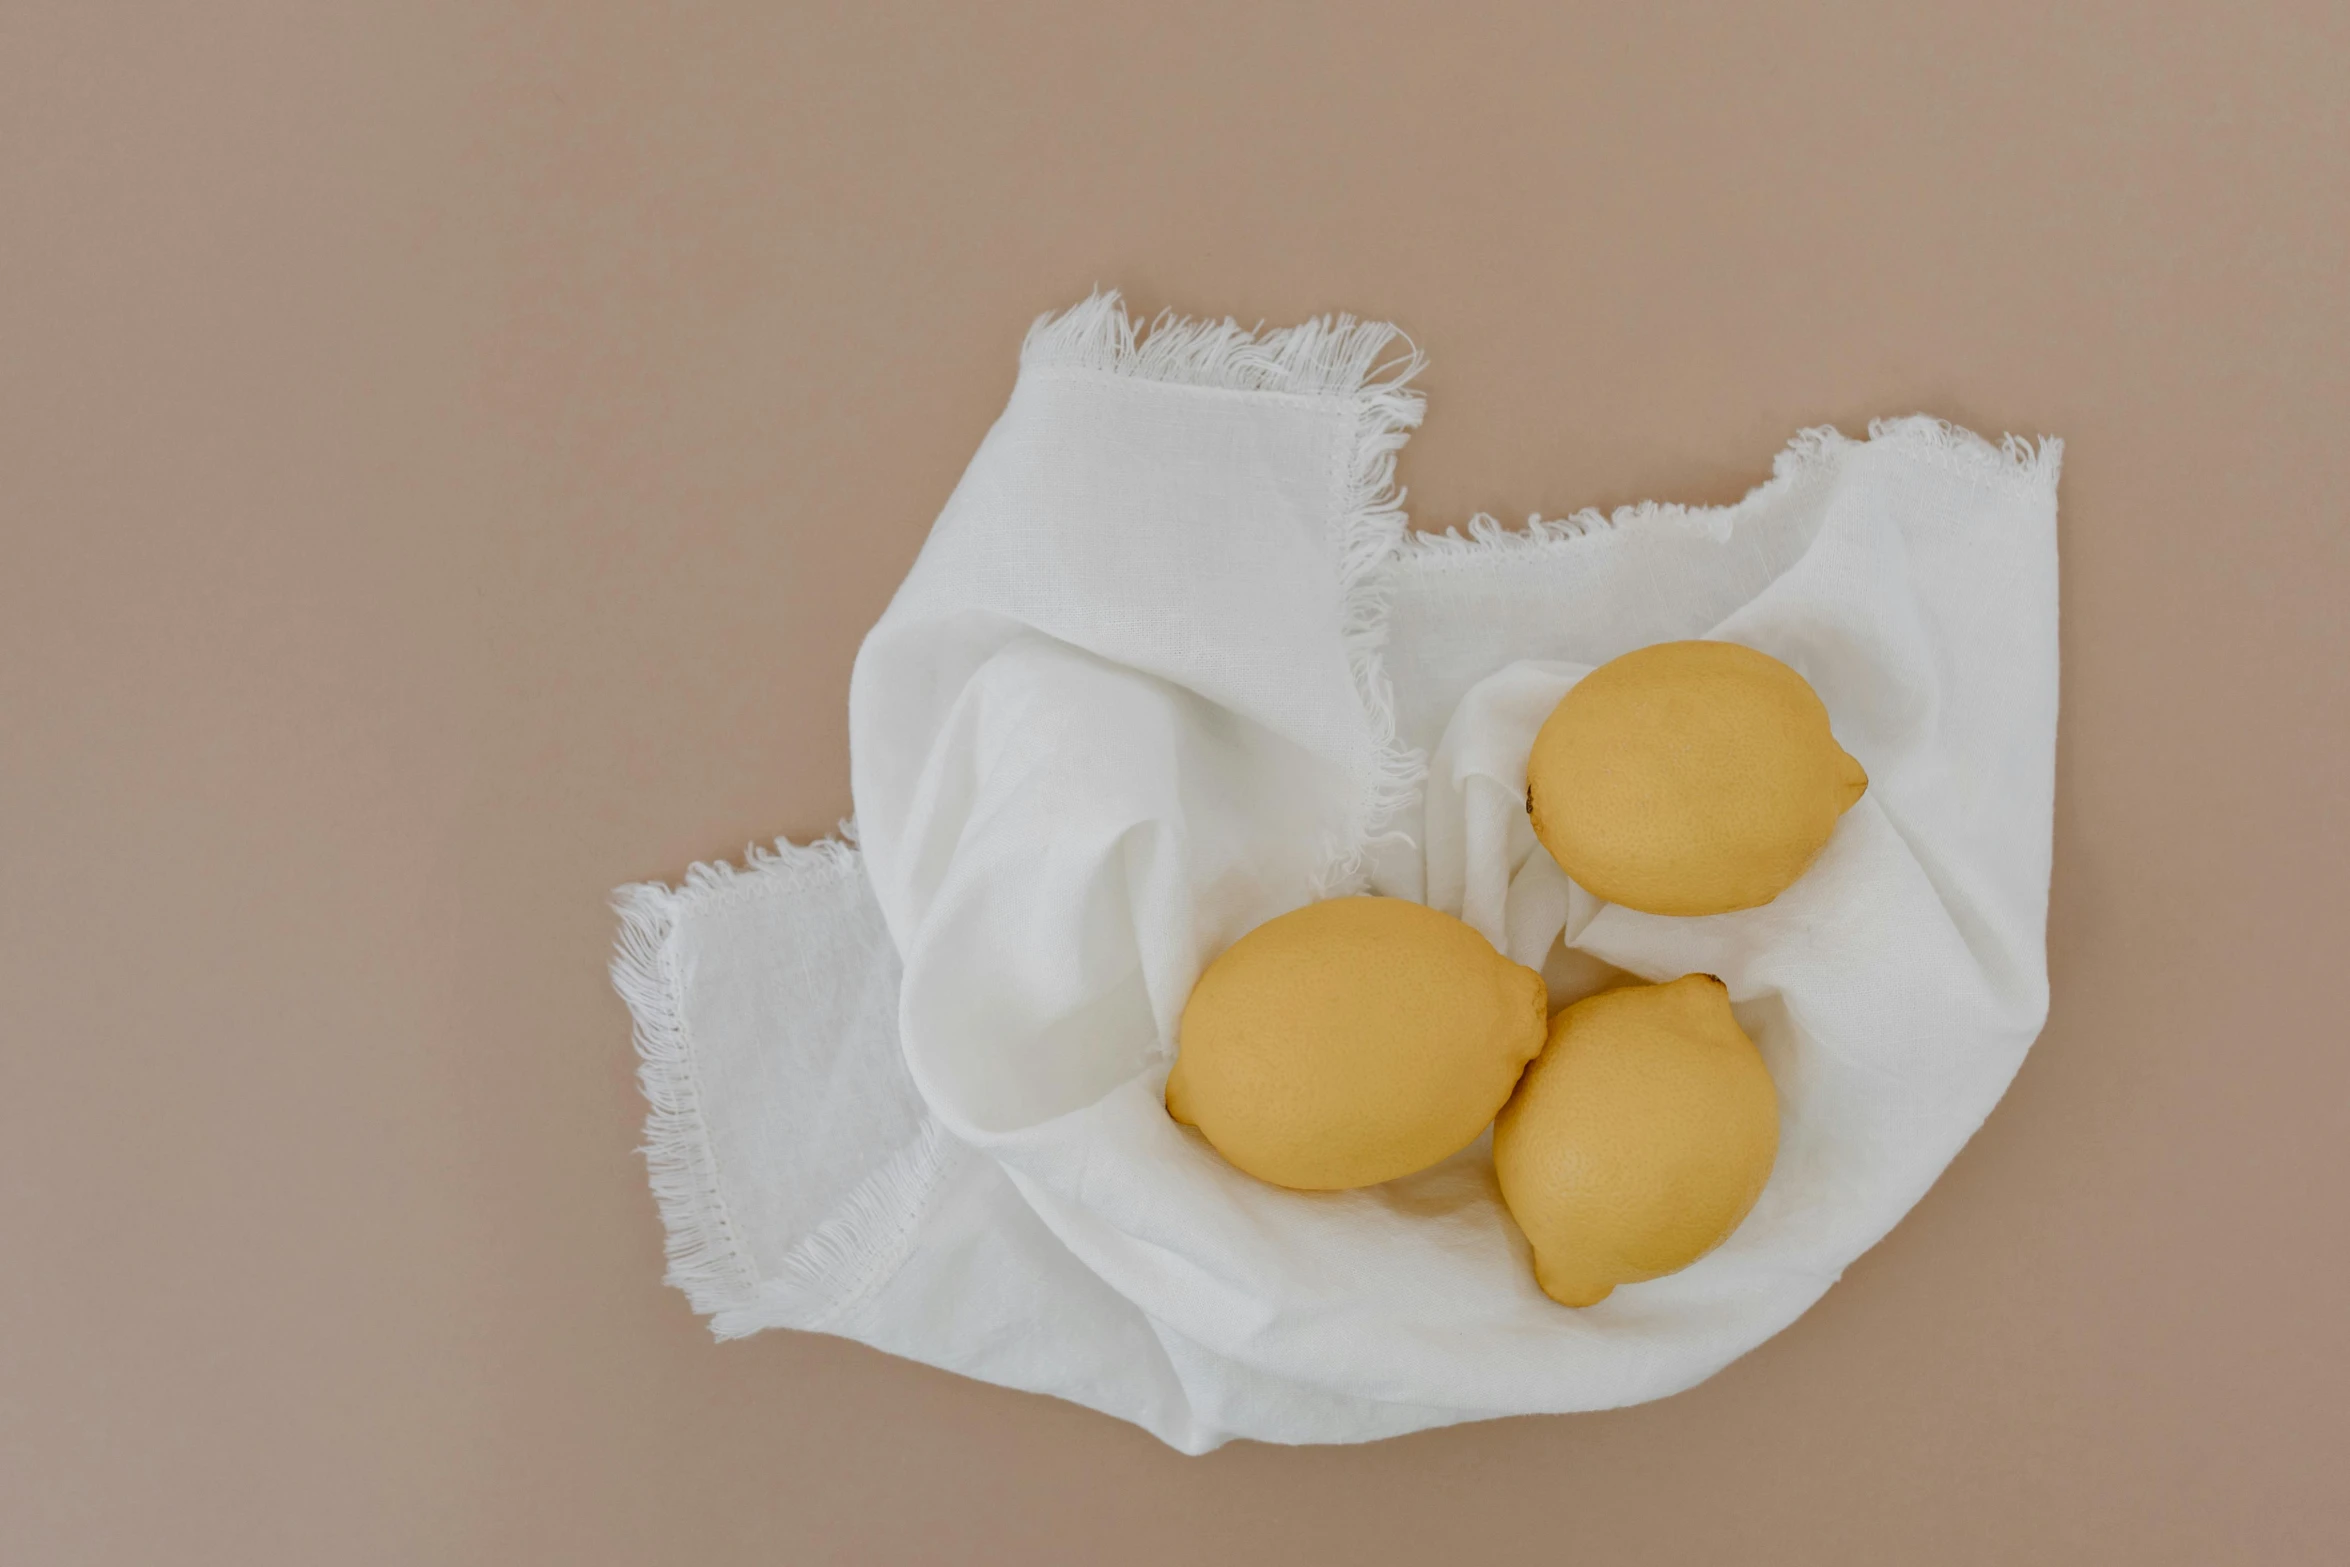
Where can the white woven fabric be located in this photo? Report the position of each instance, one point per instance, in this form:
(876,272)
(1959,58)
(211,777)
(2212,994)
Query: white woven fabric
(1171,663)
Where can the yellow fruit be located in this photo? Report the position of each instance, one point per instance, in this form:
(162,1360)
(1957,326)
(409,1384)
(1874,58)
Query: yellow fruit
(1638,1139)
(1689,778)
(1353,1041)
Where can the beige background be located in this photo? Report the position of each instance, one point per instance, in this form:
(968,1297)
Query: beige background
(449,455)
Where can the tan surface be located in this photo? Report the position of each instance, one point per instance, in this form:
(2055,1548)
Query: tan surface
(448,457)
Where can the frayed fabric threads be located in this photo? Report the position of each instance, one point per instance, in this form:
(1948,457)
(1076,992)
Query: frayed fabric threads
(708,1259)
(2032,464)
(1337,357)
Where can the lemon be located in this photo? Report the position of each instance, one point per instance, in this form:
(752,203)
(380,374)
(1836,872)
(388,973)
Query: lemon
(1638,1139)
(1689,778)
(1353,1041)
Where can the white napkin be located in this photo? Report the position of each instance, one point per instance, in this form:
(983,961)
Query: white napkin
(1171,664)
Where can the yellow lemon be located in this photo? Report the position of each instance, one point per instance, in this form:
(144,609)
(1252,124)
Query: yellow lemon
(1353,1041)
(1689,778)
(1638,1139)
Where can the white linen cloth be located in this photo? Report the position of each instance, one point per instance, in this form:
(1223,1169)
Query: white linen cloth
(1170,664)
